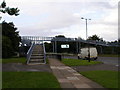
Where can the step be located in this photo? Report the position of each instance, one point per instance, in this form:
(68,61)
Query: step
(37,51)
(38,47)
(32,60)
(37,54)
(37,57)
(35,63)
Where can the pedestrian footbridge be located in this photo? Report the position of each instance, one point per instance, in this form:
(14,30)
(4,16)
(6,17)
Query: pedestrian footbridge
(28,40)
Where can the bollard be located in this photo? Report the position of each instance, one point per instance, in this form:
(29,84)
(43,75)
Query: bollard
(59,57)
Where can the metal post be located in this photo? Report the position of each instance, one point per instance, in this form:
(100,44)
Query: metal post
(53,47)
(113,50)
(79,45)
(56,46)
(76,47)
(86,29)
(101,50)
(88,53)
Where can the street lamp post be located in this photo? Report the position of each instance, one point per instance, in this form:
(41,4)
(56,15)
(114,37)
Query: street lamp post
(86,26)
(86,39)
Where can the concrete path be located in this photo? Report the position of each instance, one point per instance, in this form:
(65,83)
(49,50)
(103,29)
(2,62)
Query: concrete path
(69,78)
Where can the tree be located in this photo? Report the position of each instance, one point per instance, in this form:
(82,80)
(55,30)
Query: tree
(10,11)
(95,37)
(79,38)
(10,39)
(60,36)
(7,50)
(48,47)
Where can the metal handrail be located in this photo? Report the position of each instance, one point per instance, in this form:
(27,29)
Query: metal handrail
(44,53)
(29,53)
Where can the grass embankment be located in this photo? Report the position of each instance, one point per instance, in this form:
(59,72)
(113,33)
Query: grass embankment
(14,60)
(78,62)
(108,79)
(29,80)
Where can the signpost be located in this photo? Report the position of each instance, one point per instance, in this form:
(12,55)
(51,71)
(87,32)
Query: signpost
(65,46)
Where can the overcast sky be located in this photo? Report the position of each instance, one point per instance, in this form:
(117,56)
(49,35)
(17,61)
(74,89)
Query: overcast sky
(63,17)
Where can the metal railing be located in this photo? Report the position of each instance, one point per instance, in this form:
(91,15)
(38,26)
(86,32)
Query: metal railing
(29,53)
(44,53)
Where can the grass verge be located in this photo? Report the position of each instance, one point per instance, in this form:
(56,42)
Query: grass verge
(14,60)
(78,62)
(108,79)
(29,80)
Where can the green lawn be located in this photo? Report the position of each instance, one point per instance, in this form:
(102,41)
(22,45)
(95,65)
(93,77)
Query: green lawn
(78,62)
(108,79)
(14,60)
(29,80)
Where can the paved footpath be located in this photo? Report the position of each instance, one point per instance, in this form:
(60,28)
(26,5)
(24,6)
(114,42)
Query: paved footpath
(69,78)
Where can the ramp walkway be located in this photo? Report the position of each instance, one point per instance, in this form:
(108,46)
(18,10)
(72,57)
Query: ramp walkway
(69,78)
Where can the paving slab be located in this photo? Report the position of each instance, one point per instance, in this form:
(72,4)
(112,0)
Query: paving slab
(70,78)
(67,85)
(83,85)
(63,80)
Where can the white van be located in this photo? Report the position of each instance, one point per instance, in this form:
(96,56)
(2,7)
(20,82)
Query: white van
(84,53)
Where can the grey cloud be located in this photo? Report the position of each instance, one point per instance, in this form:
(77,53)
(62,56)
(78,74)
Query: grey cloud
(105,5)
(37,32)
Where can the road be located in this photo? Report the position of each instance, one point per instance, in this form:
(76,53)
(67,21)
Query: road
(109,60)
(106,60)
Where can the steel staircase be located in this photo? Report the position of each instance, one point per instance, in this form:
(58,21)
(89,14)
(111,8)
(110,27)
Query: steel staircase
(36,54)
